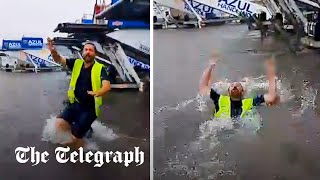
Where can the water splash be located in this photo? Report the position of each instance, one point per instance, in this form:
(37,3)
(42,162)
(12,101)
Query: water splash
(177,107)
(308,98)
(212,133)
(200,101)
(215,131)
(252,86)
(49,133)
(209,133)
(100,132)
(201,105)
(255,86)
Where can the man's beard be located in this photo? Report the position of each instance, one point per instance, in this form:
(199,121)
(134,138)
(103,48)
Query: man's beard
(88,58)
(236,94)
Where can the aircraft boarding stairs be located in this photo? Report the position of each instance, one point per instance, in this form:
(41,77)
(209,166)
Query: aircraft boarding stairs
(285,15)
(113,57)
(302,15)
(202,9)
(111,52)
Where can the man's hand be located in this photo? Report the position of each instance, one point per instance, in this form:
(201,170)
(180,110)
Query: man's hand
(51,47)
(205,81)
(55,55)
(214,58)
(95,94)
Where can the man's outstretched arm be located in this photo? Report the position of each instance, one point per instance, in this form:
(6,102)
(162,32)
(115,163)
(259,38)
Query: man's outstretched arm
(205,81)
(55,55)
(271,96)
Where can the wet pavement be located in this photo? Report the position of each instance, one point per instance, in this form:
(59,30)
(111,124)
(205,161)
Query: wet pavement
(29,99)
(287,145)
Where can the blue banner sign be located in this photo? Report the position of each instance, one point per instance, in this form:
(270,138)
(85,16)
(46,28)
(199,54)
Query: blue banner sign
(135,63)
(32,43)
(201,9)
(234,7)
(38,61)
(11,44)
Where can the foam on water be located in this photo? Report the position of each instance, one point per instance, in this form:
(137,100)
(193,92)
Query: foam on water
(100,132)
(213,130)
(209,131)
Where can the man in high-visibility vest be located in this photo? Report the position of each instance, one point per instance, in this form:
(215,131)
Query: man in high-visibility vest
(89,82)
(234,105)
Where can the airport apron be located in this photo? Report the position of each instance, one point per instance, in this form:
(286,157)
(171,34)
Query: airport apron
(225,107)
(95,81)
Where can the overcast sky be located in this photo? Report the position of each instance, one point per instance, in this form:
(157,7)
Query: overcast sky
(38,18)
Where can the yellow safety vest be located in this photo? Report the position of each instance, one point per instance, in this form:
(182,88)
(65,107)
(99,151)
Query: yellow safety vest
(225,107)
(95,81)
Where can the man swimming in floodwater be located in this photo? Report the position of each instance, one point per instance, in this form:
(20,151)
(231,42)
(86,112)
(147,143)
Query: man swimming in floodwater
(89,83)
(235,105)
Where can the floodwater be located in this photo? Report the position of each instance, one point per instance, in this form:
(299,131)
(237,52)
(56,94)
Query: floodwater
(27,103)
(280,142)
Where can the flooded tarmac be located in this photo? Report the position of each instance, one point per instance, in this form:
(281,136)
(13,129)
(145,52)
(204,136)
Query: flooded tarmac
(280,142)
(28,100)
